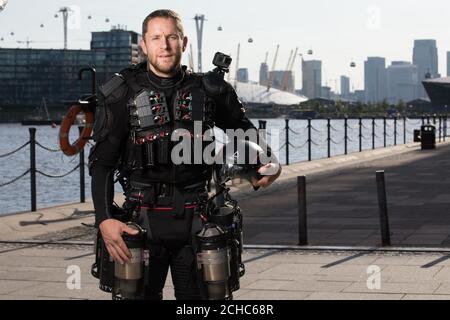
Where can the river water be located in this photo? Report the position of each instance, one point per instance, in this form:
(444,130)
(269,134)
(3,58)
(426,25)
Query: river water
(15,197)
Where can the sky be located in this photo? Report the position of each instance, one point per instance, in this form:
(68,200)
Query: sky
(338,32)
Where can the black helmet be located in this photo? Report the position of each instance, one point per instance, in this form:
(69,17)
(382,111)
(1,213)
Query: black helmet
(241,159)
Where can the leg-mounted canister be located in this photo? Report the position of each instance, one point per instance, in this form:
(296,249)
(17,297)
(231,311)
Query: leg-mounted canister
(219,250)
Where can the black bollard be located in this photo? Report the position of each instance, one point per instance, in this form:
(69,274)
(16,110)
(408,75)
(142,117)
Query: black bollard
(373,133)
(82,179)
(445,127)
(287,141)
(382,206)
(360,134)
(33,168)
(309,139)
(395,131)
(329,137)
(345,135)
(302,222)
(404,130)
(384,131)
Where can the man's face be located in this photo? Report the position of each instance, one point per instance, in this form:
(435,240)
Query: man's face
(163,46)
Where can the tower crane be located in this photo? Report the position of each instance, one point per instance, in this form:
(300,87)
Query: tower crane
(27,42)
(271,75)
(237,65)
(289,69)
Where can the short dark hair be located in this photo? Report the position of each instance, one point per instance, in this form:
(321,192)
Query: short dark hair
(164,13)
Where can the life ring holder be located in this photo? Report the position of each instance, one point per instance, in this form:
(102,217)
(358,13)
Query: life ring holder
(71,149)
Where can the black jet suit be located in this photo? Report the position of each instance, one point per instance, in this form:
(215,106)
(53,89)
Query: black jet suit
(170,192)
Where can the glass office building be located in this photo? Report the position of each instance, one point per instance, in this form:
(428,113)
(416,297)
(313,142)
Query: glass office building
(28,75)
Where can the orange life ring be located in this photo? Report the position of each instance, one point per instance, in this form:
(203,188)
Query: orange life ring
(66,147)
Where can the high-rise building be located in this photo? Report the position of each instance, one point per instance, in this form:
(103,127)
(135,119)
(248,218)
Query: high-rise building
(242,75)
(312,78)
(448,64)
(326,92)
(359,95)
(28,75)
(402,79)
(345,87)
(119,45)
(425,57)
(282,80)
(263,74)
(375,79)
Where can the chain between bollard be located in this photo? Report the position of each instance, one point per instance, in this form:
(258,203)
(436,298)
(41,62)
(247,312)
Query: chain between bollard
(15,179)
(58,176)
(47,148)
(14,151)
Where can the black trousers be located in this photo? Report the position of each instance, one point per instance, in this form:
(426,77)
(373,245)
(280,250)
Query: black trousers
(183,271)
(170,246)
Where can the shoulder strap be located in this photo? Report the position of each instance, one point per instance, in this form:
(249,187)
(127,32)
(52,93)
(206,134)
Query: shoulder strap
(129,74)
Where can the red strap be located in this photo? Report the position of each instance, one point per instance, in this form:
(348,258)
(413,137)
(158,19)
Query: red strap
(187,206)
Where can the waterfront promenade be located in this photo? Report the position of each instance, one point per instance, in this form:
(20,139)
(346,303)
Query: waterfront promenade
(342,210)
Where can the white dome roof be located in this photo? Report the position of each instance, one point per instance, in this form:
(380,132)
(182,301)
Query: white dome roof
(254,93)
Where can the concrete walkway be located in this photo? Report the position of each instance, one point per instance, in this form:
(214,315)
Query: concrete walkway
(342,202)
(342,211)
(42,273)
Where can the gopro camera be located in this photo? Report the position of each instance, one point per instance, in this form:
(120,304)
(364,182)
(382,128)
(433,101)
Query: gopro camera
(222,62)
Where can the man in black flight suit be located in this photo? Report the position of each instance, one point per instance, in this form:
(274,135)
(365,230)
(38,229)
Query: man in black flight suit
(143,150)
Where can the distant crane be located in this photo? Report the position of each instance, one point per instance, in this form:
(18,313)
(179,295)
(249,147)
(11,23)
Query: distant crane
(237,65)
(199,20)
(285,74)
(191,59)
(272,74)
(28,41)
(65,13)
(289,69)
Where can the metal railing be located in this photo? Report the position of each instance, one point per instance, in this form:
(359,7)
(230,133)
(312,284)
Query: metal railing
(33,170)
(440,121)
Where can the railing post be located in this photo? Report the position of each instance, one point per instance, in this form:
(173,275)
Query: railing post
(262,132)
(440,128)
(395,131)
(445,127)
(428,119)
(382,206)
(404,130)
(373,133)
(33,168)
(309,139)
(360,134)
(302,222)
(329,137)
(262,126)
(82,179)
(345,135)
(423,119)
(384,133)
(287,141)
